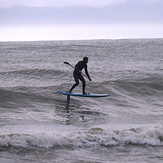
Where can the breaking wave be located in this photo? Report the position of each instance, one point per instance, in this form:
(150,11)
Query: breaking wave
(94,137)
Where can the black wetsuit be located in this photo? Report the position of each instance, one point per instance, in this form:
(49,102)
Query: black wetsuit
(78,76)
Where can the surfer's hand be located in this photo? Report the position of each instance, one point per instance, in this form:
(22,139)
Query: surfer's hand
(89,79)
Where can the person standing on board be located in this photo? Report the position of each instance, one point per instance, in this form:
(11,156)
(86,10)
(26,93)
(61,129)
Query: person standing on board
(78,74)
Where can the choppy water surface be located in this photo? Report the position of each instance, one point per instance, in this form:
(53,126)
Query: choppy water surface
(126,127)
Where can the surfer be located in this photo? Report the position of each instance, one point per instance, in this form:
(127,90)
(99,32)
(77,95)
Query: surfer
(78,74)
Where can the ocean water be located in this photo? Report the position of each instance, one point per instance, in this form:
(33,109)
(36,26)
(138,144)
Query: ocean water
(125,127)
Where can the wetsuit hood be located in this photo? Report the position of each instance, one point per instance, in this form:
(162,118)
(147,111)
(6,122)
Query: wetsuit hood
(85,59)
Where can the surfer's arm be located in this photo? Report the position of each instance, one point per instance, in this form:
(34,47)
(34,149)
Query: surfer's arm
(86,72)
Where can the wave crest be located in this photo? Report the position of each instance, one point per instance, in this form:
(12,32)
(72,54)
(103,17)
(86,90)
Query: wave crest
(87,138)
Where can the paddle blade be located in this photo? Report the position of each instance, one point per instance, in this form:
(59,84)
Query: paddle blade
(66,63)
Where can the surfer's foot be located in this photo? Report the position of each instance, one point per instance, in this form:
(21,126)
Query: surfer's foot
(84,93)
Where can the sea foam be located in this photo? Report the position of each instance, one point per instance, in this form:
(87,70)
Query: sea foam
(93,137)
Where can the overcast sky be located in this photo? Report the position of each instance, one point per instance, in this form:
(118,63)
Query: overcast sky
(80,19)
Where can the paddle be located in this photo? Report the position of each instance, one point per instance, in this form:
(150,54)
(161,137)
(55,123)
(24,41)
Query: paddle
(74,68)
(68,64)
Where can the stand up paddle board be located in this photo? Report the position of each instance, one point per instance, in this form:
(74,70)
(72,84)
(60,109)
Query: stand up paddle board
(83,95)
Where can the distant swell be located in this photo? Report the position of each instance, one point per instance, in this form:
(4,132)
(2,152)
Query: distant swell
(28,73)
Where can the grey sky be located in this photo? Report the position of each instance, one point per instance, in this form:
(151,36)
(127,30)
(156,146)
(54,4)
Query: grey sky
(82,14)
(62,3)
(59,3)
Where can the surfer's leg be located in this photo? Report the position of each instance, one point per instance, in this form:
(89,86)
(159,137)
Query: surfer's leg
(76,82)
(84,83)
